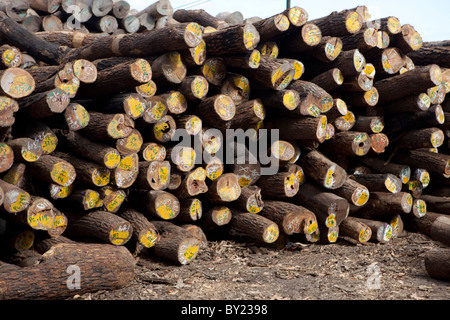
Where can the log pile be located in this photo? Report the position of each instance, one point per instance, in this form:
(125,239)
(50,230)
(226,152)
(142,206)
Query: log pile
(90,153)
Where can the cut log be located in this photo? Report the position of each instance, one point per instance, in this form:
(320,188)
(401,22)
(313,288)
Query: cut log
(16,83)
(156,204)
(116,266)
(176,244)
(250,226)
(300,128)
(339,24)
(102,225)
(309,36)
(422,138)
(96,152)
(383,203)
(224,189)
(120,77)
(235,39)
(305,87)
(112,198)
(250,200)
(354,192)
(193,184)
(381,231)
(52,169)
(408,40)
(350,143)
(144,232)
(217,110)
(329,208)
(272,27)
(26,149)
(322,170)
(291,218)
(126,173)
(106,127)
(84,199)
(437,263)
(191,210)
(216,217)
(355,230)
(168,69)
(380,182)
(281,185)
(199,16)
(440,204)
(424,78)
(89,173)
(433,162)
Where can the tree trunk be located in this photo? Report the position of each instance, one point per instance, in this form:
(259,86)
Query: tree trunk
(144,232)
(102,225)
(290,218)
(437,264)
(322,170)
(355,230)
(253,227)
(104,266)
(176,244)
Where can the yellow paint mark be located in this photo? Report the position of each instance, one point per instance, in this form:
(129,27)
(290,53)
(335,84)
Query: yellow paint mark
(148,239)
(29,156)
(165,212)
(101,177)
(353,22)
(390,185)
(112,160)
(136,108)
(190,252)
(119,237)
(271,234)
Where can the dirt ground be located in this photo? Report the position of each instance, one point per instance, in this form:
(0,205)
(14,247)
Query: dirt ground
(229,270)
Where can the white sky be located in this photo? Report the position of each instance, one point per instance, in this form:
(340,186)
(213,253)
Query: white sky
(429,17)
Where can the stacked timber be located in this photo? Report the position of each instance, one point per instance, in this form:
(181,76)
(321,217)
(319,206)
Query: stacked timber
(339,130)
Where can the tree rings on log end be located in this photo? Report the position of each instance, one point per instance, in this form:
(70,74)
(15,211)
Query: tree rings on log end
(227,187)
(333,48)
(193,35)
(121,233)
(120,126)
(6,157)
(311,34)
(297,16)
(153,152)
(17,83)
(147,90)
(354,22)
(198,53)
(251,37)
(76,117)
(188,250)
(126,172)
(85,71)
(11,57)
(167,206)
(113,199)
(419,208)
(141,70)
(176,102)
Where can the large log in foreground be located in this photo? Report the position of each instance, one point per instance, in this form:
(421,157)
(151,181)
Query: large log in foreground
(115,129)
(99,266)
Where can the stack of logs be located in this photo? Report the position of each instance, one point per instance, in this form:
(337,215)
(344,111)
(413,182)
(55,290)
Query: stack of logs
(92,173)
